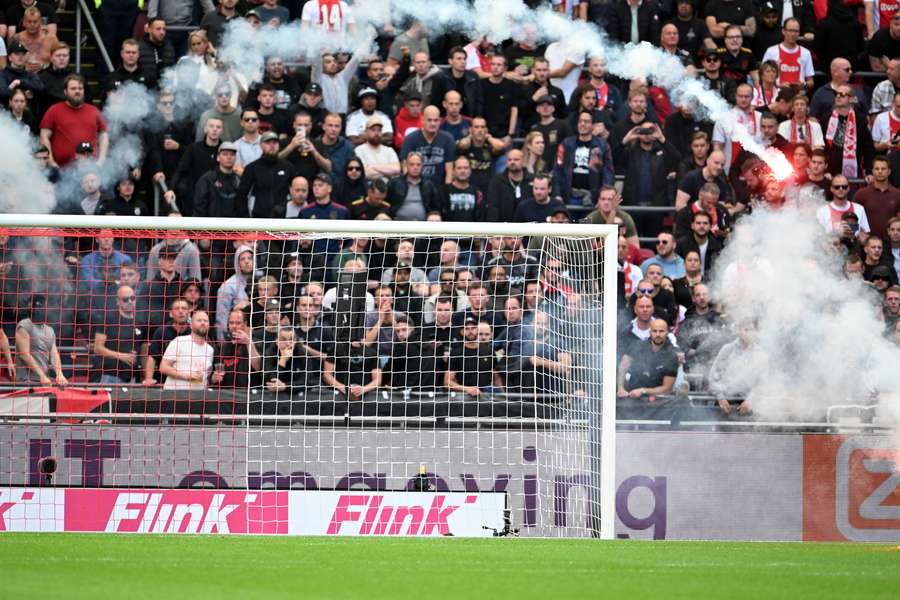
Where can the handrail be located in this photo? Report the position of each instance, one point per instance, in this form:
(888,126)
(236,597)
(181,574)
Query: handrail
(81,9)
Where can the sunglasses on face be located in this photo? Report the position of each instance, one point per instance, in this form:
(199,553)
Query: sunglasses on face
(645,291)
(843,95)
(354,168)
(127,299)
(840,187)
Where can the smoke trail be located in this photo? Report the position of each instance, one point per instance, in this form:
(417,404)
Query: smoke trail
(21,182)
(818,339)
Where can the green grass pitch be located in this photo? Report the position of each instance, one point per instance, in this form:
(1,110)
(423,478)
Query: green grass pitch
(130,566)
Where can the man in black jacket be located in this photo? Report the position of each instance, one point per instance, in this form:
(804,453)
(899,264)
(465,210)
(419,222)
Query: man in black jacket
(216,193)
(155,52)
(407,192)
(457,77)
(619,25)
(15,76)
(701,241)
(129,70)
(199,158)
(648,160)
(507,189)
(268,179)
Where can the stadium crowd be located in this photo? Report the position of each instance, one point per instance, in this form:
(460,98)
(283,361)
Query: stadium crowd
(439,127)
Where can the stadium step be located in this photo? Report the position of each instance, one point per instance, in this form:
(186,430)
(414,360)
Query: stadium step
(90,55)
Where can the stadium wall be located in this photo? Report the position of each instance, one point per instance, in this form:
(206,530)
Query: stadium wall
(709,486)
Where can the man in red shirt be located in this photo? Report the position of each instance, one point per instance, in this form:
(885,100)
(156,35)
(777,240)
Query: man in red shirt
(67,124)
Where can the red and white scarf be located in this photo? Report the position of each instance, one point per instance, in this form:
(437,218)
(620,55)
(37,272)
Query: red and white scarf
(848,160)
(602,94)
(713,216)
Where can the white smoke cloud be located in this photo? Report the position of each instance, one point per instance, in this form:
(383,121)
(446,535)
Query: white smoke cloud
(21,182)
(819,339)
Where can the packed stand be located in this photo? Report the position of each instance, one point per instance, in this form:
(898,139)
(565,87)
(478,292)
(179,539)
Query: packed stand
(438,127)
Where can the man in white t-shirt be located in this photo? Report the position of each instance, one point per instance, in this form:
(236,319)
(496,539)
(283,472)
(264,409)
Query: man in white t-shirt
(886,128)
(831,215)
(565,67)
(331,16)
(355,129)
(188,359)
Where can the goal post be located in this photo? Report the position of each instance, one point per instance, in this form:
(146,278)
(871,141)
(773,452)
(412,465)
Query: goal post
(467,359)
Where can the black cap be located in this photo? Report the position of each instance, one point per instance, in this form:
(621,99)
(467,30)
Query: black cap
(314,88)
(881,272)
(413,96)
(84,148)
(710,52)
(546,99)
(470,321)
(16,47)
(403,265)
(769,7)
(324,178)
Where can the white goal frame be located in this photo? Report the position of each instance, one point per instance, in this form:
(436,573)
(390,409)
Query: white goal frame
(609,234)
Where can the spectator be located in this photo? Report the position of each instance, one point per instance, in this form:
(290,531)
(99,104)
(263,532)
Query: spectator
(800,129)
(19,111)
(454,122)
(539,207)
(37,40)
(738,62)
(332,18)
(408,118)
(331,150)
(884,45)
(501,102)
(379,323)
(893,244)
(669,261)
(720,226)
(884,92)
(553,130)
(128,71)
(629,273)
(533,152)
(281,368)
(335,81)
(412,196)
(234,290)
(681,128)
(478,57)
(423,79)
(715,78)
(360,120)
(584,164)
(460,200)
(891,309)
(188,359)
(880,200)
(373,204)
(352,187)
(847,139)
(481,149)
(105,256)
(636,116)
(471,369)
(238,358)
(185,252)
(249,147)
(353,373)
(724,138)
(765,93)
(696,157)
(36,351)
(125,203)
(447,292)
(540,86)
(53,75)
(271,118)
(67,124)
(179,324)
(649,369)
(700,240)
(873,258)
(214,22)
(722,14)
(119,342)
(464,82)
(300,150)
(216,192)
(379,160)
(700,333)
(886,128)
(794,62)
(668,42)
(608,211)
(313,340)
(683,287)
(267,180)
(823,100)
(664,305)
(649,163)
(156,51)
(712,172)
(622,28)
(324,207)
(435,147)
(16,76)
(693,34)
(507,189)
(199,158)
(226,112)
(15,13)
(737,369)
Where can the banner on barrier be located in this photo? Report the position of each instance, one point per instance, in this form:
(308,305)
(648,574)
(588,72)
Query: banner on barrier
(251,512)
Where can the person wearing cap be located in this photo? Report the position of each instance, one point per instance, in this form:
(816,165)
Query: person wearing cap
(472,368)
(311,103)
(712,73)
(16,75)
(323,207)
(67,123)
(409,117)
(216,192)
(124,203)
(225,111)
(267,180)
(156,51)
(379,160)
(358,121)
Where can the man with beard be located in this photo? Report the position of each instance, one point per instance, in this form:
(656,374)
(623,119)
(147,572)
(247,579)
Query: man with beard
(649,368)
(178,325)
(507,189)
(460,200)
(67,124)
(36,351)
(471,370)
(119,342)
(216,193)
(738,367)
(268,180)
(481,149)
(378,159)
(700,334)
(411,365)
(198,158)
(238,356)
(188,359)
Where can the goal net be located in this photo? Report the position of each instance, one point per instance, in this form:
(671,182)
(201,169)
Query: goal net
(257,359)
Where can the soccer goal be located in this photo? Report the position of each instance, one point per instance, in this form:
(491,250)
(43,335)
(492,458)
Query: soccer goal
(307,376)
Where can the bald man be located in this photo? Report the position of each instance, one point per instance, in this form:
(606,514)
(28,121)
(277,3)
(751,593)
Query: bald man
(822,102)
(649,368)
(436,147)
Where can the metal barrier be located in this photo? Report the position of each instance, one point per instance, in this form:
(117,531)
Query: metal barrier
(81,10)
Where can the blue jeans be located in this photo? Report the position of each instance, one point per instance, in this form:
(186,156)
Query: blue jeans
(109,378)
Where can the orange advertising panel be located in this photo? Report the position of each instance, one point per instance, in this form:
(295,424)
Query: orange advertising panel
(851,488)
